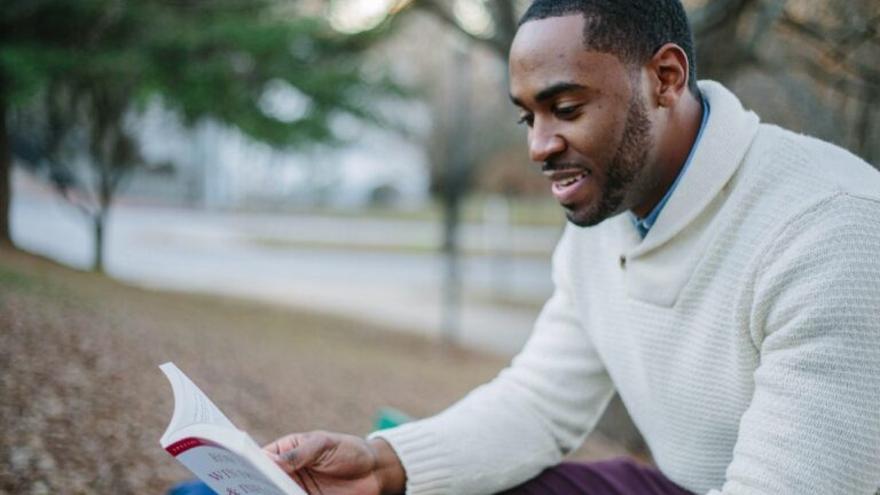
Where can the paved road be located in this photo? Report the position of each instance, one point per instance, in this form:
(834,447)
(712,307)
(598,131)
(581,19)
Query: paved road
(276,258)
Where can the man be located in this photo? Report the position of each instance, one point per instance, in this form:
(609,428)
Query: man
(719,273)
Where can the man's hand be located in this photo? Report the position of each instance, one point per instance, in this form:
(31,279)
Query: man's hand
(325,463)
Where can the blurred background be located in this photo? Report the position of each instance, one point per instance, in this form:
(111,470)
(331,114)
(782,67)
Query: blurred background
(315,208)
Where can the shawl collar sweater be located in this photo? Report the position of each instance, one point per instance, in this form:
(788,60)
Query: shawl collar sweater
(742,333)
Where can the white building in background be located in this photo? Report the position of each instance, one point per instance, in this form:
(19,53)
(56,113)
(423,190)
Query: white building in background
(217,166)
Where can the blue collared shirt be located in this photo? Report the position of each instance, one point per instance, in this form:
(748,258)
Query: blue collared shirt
(643,225)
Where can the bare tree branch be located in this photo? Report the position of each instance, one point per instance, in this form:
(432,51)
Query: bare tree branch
(70,195)
(836,55)
(716,14)
(768,14)
(504,13)
(853,87)
(498,43)
(817,34)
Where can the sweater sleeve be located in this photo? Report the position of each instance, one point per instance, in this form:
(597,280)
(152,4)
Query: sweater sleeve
(813,425)
(507,431)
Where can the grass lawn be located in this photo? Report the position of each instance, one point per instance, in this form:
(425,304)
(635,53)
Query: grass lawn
(83,404)
(523,211)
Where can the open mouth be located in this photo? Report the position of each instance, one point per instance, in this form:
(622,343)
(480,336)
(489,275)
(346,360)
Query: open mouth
(562,183)
(568,185)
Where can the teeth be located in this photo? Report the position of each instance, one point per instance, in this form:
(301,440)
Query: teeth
(570,180)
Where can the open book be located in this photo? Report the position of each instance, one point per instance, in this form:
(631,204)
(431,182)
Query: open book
(209,445)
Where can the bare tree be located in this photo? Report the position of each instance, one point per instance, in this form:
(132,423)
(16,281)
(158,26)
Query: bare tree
(455,153)
(505,14)
(821,53)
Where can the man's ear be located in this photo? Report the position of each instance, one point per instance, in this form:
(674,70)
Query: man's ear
(669,73)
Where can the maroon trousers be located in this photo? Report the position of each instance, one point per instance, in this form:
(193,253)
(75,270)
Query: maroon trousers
(619,476)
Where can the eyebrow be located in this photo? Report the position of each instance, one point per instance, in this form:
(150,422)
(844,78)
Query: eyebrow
(552,91)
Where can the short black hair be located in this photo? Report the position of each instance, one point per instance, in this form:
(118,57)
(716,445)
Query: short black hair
(633,30)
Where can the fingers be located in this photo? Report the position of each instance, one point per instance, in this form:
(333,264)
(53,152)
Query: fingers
(299,450)
(283,444)
(307,480)
(299,481)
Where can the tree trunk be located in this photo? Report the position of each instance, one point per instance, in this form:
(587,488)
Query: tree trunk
(866,145)
(455,186)
(452,281)
(108,181)
(98,226)
(5,174)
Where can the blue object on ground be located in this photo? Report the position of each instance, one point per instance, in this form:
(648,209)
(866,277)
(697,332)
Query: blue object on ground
(388,417)
(194,487)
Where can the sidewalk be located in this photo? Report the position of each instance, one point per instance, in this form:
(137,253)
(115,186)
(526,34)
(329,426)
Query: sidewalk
(375,270)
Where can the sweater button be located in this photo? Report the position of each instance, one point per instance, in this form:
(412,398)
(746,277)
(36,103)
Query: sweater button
(622,261)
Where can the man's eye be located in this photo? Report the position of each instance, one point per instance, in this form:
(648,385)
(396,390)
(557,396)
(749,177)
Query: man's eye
(526,119)
(566,111)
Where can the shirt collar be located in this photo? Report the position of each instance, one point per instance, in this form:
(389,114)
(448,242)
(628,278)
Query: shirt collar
(643,225)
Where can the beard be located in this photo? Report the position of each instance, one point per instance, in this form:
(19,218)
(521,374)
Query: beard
(623,171)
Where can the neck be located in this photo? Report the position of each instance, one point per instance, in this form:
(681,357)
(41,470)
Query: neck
(675,143)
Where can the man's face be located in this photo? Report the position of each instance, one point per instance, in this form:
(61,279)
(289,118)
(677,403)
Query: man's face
(586,117)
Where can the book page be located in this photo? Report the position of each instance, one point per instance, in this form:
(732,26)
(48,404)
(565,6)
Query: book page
(227,472)
(191,405)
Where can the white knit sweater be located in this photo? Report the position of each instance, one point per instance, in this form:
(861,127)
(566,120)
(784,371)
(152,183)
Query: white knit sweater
(742,333)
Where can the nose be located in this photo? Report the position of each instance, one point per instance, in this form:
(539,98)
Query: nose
(544,142)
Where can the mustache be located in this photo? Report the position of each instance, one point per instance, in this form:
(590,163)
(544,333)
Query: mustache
(553,166)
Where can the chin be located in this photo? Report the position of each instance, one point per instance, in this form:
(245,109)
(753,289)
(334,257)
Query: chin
(594,213)
(584,218)
(584,222)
